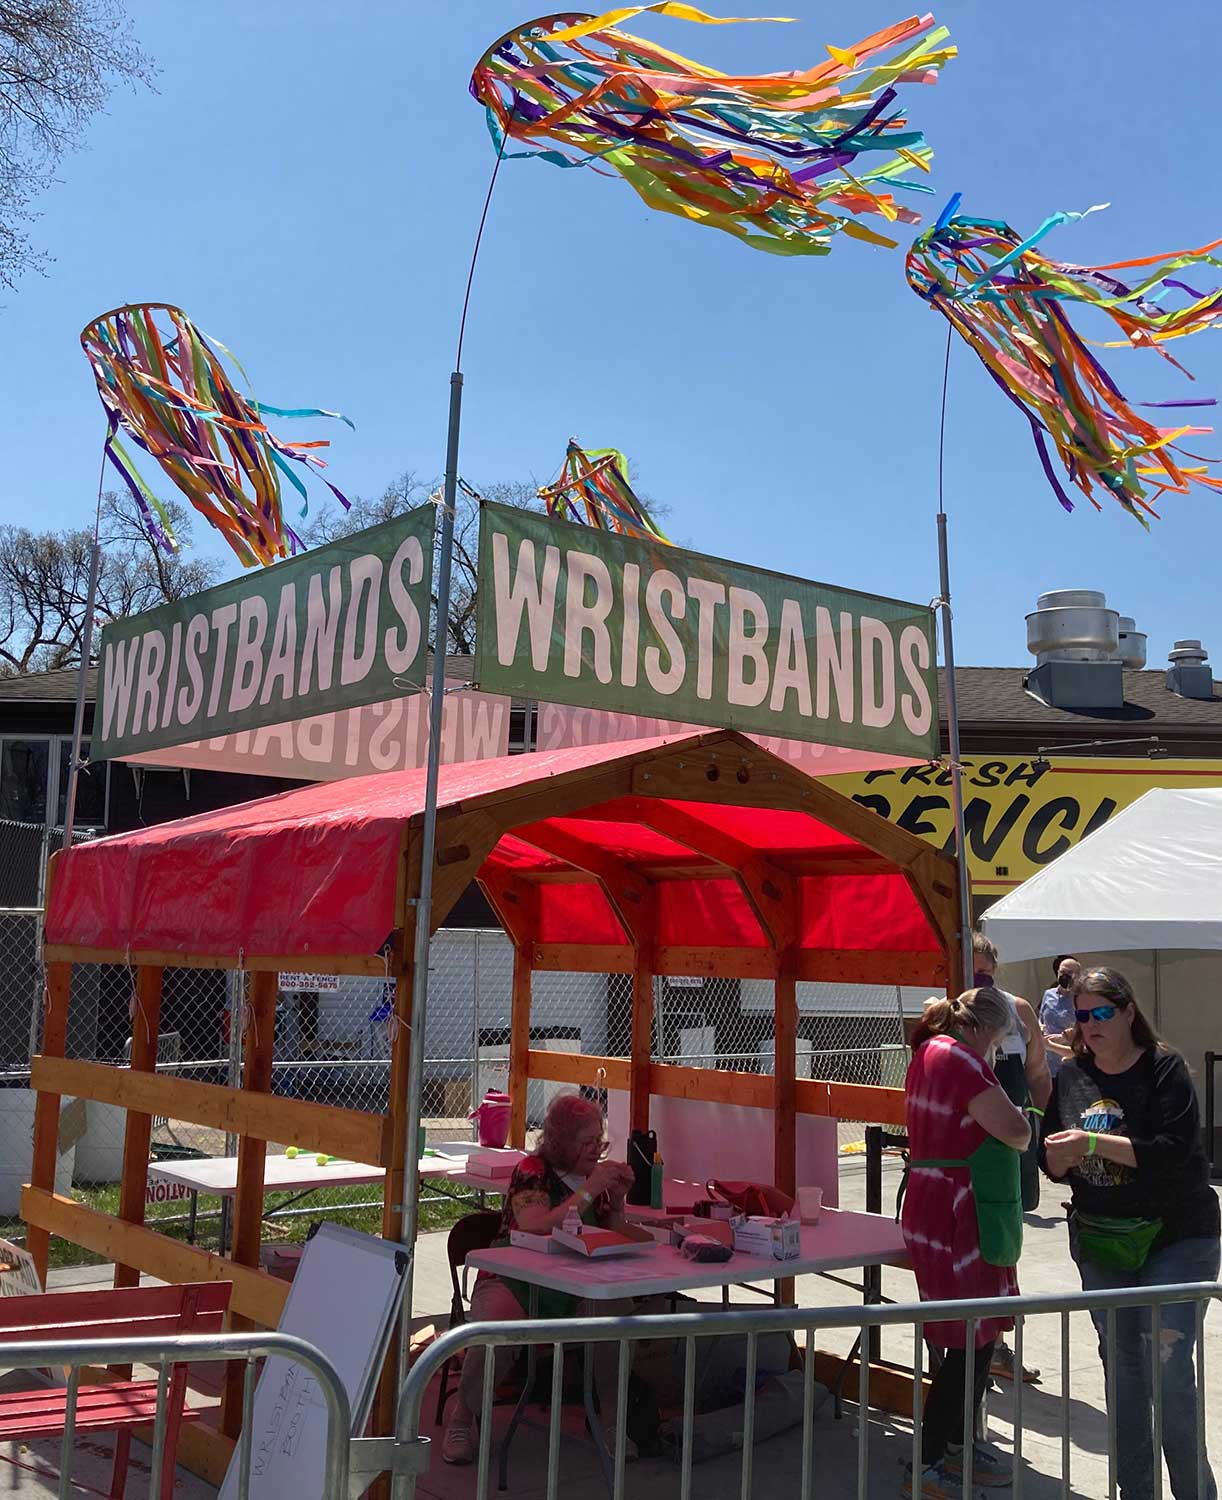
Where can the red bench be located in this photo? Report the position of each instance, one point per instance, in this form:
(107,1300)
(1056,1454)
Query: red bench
(147,1312)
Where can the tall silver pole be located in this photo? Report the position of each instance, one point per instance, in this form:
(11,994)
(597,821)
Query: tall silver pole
(956,774)
(424,901)
(78,722)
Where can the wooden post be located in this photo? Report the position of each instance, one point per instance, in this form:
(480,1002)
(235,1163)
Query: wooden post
(252,1155)
(138,1128)
(784,1083)
(46,1106)
(395,1186)
(519,1044)
(641,1053)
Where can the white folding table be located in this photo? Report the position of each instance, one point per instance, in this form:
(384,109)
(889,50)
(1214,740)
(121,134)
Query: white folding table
(841,1240)
(217,1176)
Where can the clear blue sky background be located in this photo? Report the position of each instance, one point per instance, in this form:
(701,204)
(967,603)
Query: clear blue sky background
(307,181)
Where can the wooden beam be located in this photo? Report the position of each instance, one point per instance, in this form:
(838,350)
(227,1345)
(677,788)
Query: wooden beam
(259,1048)
(394,1188)
(138,1128)
(849,966)
(627,894)
(936,889)
(641,1044)
(46,1106)
(851,1101)
(845,1101)
(784,1080)
(580,958)
(349,1133)
(256,1295)
(515,901)
(299,963)
(768,890)
(579,1069)
(519,1046)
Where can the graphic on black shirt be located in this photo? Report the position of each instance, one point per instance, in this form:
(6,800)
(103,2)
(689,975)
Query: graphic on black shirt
(1104,1117)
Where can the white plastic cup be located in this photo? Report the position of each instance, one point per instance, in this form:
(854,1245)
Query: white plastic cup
(810,1204)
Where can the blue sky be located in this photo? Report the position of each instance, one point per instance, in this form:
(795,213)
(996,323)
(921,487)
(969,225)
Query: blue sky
(307,180)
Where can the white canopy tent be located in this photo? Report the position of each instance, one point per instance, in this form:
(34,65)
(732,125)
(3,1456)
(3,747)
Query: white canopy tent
(1142,894)
(1151,877)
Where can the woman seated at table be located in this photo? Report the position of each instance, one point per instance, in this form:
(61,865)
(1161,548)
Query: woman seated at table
(566,1171)
(962,1215)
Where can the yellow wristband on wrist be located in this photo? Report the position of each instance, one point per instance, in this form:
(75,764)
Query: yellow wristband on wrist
(1092,1143)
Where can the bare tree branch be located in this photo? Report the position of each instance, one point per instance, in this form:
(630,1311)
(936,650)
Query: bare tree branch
(44,582)
(59,60)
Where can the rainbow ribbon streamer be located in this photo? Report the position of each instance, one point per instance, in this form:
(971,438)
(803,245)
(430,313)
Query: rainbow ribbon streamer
(593,490)
(167,389)
(1009,303)
(782,160)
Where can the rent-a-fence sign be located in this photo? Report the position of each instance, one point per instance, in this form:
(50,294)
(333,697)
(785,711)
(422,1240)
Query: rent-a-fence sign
(334,628)
(568,614)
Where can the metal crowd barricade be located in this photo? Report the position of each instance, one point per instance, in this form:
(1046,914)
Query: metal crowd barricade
(161,1354)
(410,1453)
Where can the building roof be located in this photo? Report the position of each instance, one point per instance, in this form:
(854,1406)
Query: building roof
(995,708)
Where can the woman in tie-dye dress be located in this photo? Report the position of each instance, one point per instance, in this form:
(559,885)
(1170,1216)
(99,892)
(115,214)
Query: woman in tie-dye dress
(954,1103)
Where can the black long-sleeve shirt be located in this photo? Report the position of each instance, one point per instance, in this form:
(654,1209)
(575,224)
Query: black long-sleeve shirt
(1154,1104)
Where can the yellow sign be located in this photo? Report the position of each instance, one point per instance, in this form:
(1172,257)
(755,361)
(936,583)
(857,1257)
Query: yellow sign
(1018,814)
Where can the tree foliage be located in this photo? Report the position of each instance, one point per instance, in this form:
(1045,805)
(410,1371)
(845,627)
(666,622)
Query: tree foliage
(406,493)
(44,582)
(59,60)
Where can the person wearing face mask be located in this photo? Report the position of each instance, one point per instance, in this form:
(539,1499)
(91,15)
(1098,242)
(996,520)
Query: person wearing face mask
(565,1173)
(1056,1011)
(1021,1066)
(1124,1132)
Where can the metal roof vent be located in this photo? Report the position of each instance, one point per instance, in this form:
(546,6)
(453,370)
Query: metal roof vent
(1190,674)
(1132,645)
(1075,639)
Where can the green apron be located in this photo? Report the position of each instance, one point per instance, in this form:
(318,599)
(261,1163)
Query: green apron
(997,1188)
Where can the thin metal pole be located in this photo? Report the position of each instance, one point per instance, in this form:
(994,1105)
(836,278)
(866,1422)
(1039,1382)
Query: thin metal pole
(428,842)
(78,718)
(956,772)
(952,695)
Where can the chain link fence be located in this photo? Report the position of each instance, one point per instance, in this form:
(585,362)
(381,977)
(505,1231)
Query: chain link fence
(332,1047)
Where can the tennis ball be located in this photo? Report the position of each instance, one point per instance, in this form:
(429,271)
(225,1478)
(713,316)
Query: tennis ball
(291,1153)
(322,1159)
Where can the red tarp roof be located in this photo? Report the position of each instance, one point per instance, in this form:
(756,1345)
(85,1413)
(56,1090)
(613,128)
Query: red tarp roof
(314,871)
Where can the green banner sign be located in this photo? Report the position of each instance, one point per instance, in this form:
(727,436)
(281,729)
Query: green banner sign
(338,627)
(568,614)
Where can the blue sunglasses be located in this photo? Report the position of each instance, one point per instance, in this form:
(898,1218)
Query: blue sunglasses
(1097,1013)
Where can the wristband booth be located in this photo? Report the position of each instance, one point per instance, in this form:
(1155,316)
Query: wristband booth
(700,854)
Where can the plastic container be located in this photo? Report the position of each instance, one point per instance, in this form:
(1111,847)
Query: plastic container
(492,1116)
(657,1188)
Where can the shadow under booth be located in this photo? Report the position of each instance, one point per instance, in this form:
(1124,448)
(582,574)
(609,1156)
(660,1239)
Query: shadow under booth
(696,855)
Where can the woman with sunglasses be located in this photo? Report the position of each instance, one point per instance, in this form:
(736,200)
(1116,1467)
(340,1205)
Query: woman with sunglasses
(1124,1131)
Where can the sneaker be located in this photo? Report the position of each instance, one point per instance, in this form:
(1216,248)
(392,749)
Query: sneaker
(1003,1366)
(936,1483)
(458,1442)
(989,1469)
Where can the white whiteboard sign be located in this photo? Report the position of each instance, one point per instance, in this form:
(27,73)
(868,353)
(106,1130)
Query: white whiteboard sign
(344,1300)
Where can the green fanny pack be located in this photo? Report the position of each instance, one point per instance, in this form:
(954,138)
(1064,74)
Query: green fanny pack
(997,1188)
(1116,1244)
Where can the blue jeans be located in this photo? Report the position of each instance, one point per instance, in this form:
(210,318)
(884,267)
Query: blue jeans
(1184,1261)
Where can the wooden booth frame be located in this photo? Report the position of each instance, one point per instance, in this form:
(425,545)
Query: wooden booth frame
(716,767)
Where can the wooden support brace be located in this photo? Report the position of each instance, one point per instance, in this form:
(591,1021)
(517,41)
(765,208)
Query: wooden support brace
(138,1128)
(519,1046)
(46,1107)
(252,1157)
